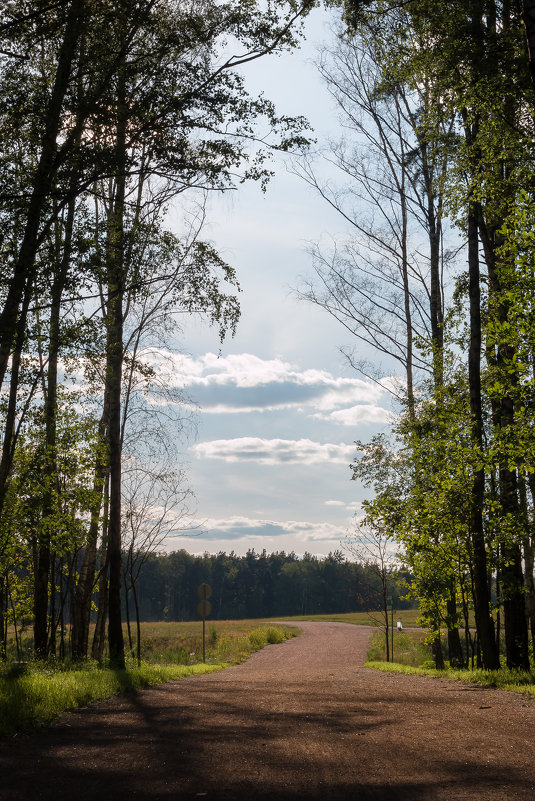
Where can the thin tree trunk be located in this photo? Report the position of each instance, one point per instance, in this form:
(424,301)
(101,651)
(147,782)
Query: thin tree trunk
(52,625)
(86,579)
(3,616)
(23,275)
(138,625)
(484,622)
(529,22)
(455,648)
(114,365)
(99,636)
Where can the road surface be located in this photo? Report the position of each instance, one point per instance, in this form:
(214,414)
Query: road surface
(300,720)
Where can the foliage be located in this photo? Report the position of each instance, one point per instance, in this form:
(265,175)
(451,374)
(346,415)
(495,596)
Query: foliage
(454,486)
(256,585)
(409,648)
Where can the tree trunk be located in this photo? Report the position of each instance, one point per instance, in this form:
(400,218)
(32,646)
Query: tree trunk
(514,524)
(138,625)
(455,648)
(529,22)
(86,580)
(114,365)
(484,622)
(3,627)
(99,636)
(436,649)
(23,275)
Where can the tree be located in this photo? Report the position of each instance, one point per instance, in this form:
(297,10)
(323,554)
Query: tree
(372,546)
(161,110)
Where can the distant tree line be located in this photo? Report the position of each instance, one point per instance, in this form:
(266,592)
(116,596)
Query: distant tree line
(257,585)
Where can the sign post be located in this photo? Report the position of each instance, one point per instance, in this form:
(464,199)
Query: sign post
(204,607)
(392,626)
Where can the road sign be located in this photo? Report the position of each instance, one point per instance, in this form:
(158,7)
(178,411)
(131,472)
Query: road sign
(204,608)
(204,591)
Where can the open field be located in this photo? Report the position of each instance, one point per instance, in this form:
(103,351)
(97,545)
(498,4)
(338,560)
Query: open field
(181,641)
(408,617)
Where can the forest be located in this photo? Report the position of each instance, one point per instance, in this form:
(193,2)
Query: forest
(258,585)
(111,113)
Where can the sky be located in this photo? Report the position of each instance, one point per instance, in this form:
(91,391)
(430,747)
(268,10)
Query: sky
(279,409)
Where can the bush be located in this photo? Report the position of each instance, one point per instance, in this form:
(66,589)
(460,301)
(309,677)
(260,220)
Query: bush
(275,635)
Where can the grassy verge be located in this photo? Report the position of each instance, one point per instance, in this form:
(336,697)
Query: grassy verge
(41,694)
(517,681)
(33,694)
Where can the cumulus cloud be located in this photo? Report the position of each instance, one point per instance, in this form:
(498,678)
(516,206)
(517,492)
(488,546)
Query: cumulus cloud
(244,528)
(355,415)
(274,451)
(246,383)
(354,506)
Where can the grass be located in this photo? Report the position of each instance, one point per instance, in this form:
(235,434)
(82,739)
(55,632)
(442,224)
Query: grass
(36,696)
(514,680)
(409,648)
(413,657)
(33,694)
(409,618)
(226,640)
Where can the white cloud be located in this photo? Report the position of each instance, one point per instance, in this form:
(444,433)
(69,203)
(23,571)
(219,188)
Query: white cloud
(246,383)
(354,506)
(245,528)
(355,415)
(274,451)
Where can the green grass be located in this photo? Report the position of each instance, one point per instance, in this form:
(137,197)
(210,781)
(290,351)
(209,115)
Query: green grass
(409,648)
(514,680)
(226,640)
(409,618)
(39,695)
(33,694)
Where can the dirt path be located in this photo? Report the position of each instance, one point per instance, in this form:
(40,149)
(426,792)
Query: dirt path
(301,720)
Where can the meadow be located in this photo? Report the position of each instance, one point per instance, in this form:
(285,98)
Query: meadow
(408,617)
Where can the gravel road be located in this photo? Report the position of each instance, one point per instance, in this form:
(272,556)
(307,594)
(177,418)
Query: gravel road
(300,720)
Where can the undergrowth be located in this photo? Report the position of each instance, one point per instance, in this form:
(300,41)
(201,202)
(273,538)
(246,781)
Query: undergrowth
(32,694)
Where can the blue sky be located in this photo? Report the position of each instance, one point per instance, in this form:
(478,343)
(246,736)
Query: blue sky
(279,409)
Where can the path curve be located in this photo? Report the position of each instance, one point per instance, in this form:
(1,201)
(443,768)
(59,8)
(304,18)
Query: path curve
(300,720)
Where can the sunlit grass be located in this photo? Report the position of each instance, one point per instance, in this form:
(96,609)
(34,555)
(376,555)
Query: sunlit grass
(225,641)
(39,695)
(32,694)
(408,617)
(409,647)
(519,681)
